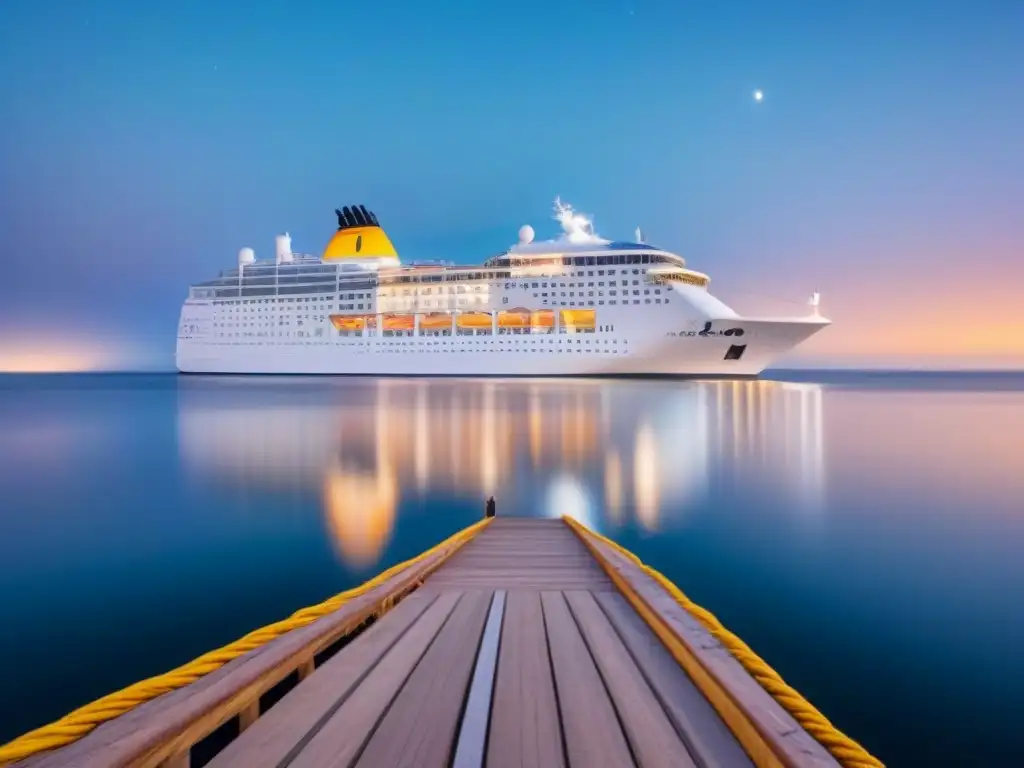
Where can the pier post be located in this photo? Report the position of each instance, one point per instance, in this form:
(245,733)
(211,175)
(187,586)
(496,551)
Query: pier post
(489,508)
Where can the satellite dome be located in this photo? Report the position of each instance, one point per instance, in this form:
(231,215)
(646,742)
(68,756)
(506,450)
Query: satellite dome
(526,234)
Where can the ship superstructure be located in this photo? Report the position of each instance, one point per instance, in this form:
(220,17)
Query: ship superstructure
(574,305)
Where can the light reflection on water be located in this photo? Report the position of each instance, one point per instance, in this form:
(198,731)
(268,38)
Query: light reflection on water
(863,535)
(589,449)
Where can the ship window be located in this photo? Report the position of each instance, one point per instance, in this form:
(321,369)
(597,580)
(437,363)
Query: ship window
(735,352)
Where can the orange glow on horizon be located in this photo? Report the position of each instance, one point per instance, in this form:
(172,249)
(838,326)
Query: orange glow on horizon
(51,359)
(940,337)
(937,316)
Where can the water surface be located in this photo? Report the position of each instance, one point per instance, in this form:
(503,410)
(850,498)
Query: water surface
(862,533)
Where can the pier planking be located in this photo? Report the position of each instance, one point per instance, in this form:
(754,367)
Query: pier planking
(566,690)
(568,675)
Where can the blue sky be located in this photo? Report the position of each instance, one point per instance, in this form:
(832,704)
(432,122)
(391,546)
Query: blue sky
(143,143)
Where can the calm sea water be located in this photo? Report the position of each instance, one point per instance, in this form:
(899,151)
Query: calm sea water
(865,534)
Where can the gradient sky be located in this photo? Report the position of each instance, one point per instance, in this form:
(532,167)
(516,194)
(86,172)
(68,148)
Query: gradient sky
(141,144)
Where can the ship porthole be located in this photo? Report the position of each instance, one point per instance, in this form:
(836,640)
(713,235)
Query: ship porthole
(359,243)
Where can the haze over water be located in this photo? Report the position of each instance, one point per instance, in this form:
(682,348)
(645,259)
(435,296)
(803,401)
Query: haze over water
(862,533)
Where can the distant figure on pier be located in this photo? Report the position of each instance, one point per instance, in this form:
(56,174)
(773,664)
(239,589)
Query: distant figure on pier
(489,511)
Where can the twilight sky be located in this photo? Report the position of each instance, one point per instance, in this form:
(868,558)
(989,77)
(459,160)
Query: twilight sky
(142,143)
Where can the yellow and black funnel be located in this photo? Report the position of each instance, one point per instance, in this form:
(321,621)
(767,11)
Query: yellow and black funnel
(359,236)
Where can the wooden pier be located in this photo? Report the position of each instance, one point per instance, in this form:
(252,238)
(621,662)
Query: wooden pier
(523,648)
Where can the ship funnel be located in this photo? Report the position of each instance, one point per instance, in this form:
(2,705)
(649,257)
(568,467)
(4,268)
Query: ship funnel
(283,248)
(370,218)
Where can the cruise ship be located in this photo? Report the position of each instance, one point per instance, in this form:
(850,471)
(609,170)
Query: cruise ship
(575,305)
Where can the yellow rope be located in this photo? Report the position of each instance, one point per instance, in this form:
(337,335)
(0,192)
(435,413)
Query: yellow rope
(845,750)
(77,724)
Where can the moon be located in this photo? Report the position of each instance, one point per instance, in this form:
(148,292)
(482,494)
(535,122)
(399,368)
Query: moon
(758,95)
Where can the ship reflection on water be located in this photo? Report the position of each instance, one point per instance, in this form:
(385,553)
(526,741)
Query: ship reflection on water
(608,453)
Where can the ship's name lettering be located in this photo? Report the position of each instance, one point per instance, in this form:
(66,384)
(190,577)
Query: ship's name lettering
(707,330)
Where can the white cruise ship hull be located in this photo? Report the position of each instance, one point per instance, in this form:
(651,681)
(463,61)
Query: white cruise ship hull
(575,306)
(591,354)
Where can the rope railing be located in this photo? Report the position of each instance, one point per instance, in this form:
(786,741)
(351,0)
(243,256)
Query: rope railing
(845,750)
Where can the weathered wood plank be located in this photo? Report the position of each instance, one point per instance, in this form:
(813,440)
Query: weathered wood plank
(593,735)
(769,734)
(537,554)
(706,736)
(654,740)
(170,724)
(525,727)
(476,720)
(536,584)
(340,739)
(301,713)
(420,726)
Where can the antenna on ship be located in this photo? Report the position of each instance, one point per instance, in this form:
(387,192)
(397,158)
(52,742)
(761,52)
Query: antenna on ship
(639,235)
(283,248)
(814,301)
